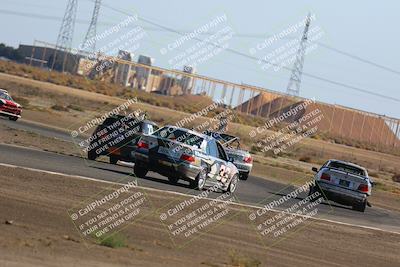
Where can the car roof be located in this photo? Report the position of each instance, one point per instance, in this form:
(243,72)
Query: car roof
(347,163)
(4,91)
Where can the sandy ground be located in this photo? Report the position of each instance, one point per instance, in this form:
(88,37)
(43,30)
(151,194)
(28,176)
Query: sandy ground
(42,234)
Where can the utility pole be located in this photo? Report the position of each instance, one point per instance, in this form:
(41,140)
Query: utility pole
(65,35)
(89,42)
(293,87)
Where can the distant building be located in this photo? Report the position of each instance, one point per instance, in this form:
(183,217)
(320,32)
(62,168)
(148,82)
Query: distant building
(142,74)
(49,57)
(186,81)
(123,71)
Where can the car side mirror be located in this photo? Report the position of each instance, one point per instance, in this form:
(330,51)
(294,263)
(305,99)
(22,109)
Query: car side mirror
(372,183)
(314,169)
(230,159)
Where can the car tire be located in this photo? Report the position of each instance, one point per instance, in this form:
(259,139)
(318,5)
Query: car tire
(360,206)
(244,176)
(92,155)
(139,171)
(113,160)
(311,191)
(200,180)
(233,184)
(13,118)
(173,179)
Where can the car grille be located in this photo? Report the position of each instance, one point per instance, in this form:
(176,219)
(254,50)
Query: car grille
(10,109)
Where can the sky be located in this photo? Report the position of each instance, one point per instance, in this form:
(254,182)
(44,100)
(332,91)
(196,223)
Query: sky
(362,28)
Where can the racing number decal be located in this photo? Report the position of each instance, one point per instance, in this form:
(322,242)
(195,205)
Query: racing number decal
(224,172)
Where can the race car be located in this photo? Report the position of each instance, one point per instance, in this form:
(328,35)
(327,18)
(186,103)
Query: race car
(241,158)
(180,153)
(8,107)
(117,137)
(343,182)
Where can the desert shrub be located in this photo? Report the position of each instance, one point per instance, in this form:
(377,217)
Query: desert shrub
(305,159)
(59,107)
(75,107)
(396,178)
(113,241)
(239,260)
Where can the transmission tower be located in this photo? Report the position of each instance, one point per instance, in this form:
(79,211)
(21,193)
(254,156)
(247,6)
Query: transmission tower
(65,35)
(293,87)
(64,40)
(89,43)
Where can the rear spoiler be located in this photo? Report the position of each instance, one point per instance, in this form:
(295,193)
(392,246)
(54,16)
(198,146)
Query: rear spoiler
(347,173)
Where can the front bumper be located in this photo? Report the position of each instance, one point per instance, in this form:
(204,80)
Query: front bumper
(167,167)
(341,195)
(9,114)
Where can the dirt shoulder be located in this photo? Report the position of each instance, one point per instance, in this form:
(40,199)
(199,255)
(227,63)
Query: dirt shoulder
(42,234)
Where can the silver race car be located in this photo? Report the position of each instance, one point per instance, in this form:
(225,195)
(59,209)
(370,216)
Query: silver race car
(343,182)
(179,153)
(241,158)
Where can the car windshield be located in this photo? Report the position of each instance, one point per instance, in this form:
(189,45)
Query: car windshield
(221,137)
(179,135)
(347,168)
(5,96)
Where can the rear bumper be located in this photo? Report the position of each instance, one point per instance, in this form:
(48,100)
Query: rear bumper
(167,167)
(340,194)
(243,168)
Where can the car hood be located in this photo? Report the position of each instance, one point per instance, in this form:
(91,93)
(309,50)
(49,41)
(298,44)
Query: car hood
(10,103)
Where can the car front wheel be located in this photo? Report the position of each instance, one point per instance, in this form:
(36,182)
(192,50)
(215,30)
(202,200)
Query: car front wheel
(13,118)
(244,176)
(233,184)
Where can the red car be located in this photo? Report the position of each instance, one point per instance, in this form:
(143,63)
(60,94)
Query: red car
(8,107)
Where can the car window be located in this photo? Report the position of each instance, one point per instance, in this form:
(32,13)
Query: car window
(5,96)
(179,135)
(346,168)
(212,149)
(221,152)
(147,128)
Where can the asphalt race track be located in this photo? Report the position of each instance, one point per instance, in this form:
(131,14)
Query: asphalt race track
(255,191)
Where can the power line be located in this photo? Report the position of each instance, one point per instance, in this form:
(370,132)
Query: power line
(163,28)
(257,59)
(238,35)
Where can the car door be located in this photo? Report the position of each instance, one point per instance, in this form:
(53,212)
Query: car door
(224,170)
(213,160)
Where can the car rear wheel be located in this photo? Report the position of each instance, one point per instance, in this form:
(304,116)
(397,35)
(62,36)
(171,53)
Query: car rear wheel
(13,118)
(360,206)
(92,155)
(173,179)
(113,160)
(312,191)
(200,180)
(139,171)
